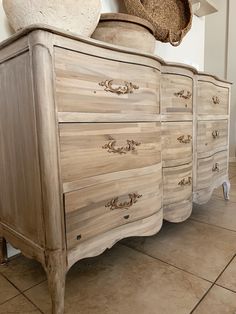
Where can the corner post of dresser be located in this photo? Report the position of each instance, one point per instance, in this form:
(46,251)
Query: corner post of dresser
(42,63)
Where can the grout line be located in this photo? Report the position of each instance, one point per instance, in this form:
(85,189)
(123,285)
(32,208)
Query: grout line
(214,283)
(217,197)
(33,303)
(37,284)
(168,263)
(8,300)
(209,224)
(22,292)
(217,284)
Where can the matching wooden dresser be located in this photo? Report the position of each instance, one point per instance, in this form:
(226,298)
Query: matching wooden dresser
(99,143)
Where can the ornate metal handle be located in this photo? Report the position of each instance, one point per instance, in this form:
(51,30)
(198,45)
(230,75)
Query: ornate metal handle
(114,203)
(215,134)
(131,146)
(182,139)
(126,88)
(185,181)
(184,94)
(216,100)
(216,168)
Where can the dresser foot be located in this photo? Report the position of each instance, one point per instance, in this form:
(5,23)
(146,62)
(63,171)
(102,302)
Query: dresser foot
(3,251)
(226,189)
(56,275)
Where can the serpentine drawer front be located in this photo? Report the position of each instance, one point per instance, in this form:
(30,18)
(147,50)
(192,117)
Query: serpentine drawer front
(212,136)
(100,143)
(102,207)
(96,149)
(212,99)
(89,85)
(211,169)
(176,94)
(177,140)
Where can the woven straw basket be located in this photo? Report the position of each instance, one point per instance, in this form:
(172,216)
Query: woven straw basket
(172,19)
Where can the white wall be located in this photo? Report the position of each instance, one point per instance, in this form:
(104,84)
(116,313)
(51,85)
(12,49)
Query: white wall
(191,51)
(220,52)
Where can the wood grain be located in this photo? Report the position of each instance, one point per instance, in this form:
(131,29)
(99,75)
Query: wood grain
(173,191)
(205,173)
(83,154)
(87,214)
(212,136)
(78,86)
(171,85)
(177,145)
(20,183)
(205,94)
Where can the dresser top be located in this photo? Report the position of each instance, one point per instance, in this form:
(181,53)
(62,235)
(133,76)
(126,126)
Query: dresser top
(101,44)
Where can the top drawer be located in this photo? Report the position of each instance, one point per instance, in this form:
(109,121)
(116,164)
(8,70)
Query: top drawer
(105,90)
(212,99)
(176,94)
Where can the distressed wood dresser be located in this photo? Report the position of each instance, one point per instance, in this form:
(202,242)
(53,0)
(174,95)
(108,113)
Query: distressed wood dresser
(99,143)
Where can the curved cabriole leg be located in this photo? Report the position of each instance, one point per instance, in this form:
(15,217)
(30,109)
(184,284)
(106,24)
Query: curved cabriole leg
(226,189)
(56,274)
(3,251)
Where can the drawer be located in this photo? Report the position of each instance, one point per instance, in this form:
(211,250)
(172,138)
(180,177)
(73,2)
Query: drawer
(212,99)
(100,208)
(176,143)
(89,85)
(212,136)
(212,169)
(94,149)
(177,184)
(176,94)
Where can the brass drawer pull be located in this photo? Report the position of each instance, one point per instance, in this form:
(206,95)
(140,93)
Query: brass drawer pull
(216,168)
(216,100)
(127,88)
(183,94)
(131,146)
(182,139)
(215,134)
(185,181)
(114,203)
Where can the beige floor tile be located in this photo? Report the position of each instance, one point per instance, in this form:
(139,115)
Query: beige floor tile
(217,212)
(18,305)
(7,290)
(228,278)
(23,272)
(218,193)
(125,281)
(201,249)
(232,164)
(217,301)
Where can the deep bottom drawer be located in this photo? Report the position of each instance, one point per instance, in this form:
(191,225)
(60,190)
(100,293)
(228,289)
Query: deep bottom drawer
(211,169)
(97,209)
(177,184)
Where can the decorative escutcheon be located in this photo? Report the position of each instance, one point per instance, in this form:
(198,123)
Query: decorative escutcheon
(215,134)
(216,100)
(184,94)
(185,140)
(125,88)
(114,203)
(185,181)
(216,168)
(130,147)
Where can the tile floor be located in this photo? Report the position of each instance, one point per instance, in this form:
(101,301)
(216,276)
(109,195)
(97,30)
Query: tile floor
(186,268)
